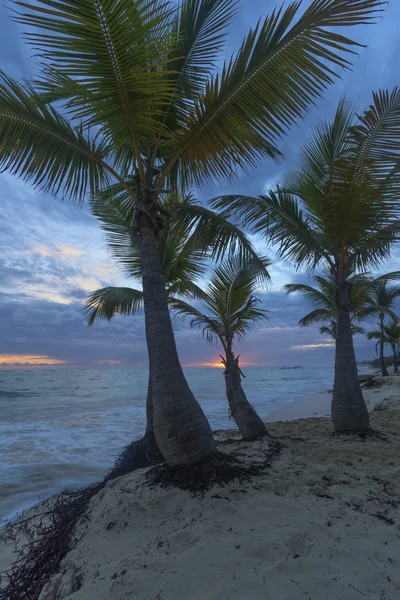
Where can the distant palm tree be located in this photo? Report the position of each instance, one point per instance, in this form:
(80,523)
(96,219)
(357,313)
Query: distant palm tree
(340,209)
(230,308)
(382,302)
(389,335)
(185,246)
(331,329)
(134,96)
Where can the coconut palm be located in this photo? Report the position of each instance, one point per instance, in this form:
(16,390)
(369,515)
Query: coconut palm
(185,251)
(389,334)
(130,98)
(383,298)
(228,309)
(340,209)
(331,329)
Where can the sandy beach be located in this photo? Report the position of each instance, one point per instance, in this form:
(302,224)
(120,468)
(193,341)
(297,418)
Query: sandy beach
(321,523)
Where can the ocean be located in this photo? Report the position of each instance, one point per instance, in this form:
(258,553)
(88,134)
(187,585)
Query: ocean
(63,428)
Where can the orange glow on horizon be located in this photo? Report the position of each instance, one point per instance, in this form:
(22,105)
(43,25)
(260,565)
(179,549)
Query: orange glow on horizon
(28,359)
(219,364)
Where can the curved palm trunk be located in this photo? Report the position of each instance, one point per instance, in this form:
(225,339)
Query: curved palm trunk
(181,429)
(247,420)
(349,412)
(382,348)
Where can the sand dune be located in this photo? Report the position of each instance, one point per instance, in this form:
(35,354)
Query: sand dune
(321,524)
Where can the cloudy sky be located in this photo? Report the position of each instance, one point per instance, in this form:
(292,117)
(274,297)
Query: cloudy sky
(52,253)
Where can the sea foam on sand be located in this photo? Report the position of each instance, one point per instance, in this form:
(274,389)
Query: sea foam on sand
(321,524)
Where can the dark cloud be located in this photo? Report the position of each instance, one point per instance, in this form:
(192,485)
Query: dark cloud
(52,253)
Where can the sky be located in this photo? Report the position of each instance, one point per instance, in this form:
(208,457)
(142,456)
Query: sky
(53,253)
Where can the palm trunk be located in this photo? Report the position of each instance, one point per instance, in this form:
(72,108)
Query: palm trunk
(247,420)
(382,348)
(149,434)
(395,368)
(349,412)
(181,429)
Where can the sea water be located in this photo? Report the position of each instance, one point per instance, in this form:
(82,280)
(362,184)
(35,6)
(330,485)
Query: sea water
(63,428)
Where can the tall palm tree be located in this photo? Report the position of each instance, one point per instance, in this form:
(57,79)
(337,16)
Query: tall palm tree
(130,98)
(389,334)
(340,209)
(331,329)
(382,302)
(185,251)
(230,308)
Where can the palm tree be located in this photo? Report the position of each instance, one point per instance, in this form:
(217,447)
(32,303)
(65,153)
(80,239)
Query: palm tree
(230,308)
(331,329)
(185,251)
(130,99)
(389,335)
(382,302)
(340,209)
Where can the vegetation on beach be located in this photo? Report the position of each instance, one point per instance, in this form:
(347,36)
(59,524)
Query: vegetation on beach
(339,210)
(228,309)
(132,103)
(129,101)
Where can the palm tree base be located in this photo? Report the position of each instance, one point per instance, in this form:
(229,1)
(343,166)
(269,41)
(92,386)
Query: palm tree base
(216,469)
(136,455)
(362,433)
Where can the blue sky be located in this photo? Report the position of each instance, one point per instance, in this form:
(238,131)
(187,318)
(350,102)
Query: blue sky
(52,253)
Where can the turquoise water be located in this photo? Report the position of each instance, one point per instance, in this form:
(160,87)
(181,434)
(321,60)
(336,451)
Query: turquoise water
(61,428)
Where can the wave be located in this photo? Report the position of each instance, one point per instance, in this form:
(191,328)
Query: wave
(10,395)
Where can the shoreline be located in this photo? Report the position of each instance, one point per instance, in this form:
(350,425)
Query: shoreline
(318,404)
(306,406)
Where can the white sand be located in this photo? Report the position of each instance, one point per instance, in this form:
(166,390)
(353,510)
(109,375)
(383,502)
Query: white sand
(322,524)
(306,530)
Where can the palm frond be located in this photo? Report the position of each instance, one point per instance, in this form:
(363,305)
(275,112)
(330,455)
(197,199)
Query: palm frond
(215,233)
(281,67)
(201,27)
(316,316)
(211,327)
(110,301)
(117,51)
(39,145)
(313,295)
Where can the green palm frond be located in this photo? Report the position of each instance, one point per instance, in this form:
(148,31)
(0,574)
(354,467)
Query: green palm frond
(215,233)
(118,53)
(229,306)
(39,145)
(316,316)
(281,67)
(110,301)
(374,335)
(201,28)
(211,327)
(313,295)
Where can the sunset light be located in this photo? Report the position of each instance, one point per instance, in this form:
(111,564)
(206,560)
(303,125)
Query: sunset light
(28,359)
